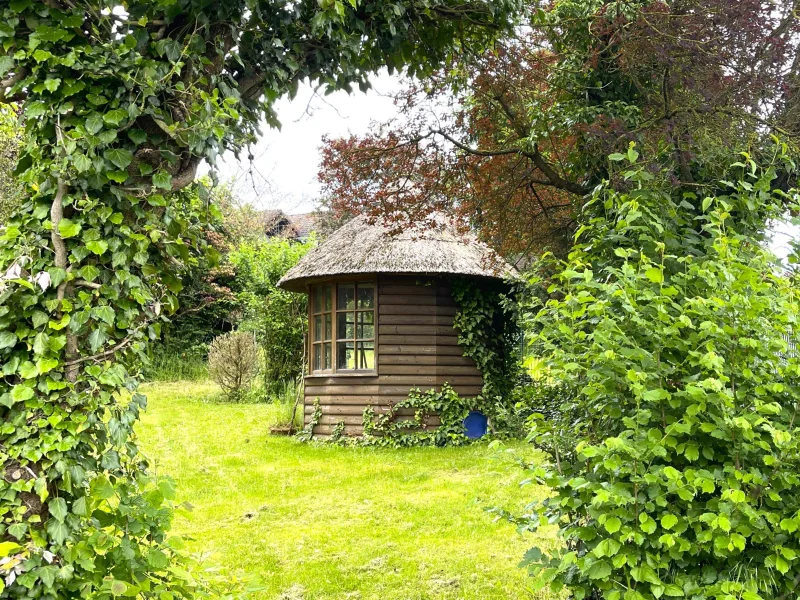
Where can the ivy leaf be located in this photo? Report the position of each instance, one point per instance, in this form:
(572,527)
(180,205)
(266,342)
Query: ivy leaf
(6,64)
(7,340)
(68,228)
(119,157)
(97,338)
(60,324)
(10,367)
(28,370)
(58,509)
(117,176)
(20,393)
(94,123)
(137,136)
(17,530)
(98,247)
(104,313)
(162,180)
(45,365)
(82,163)
(40,343)
(57,531)
(115,117)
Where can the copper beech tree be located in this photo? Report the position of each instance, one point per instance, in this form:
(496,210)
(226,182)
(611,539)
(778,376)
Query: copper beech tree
(120,102)
(513,140)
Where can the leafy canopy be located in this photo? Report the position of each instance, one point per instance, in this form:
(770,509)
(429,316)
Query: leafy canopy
(512,141)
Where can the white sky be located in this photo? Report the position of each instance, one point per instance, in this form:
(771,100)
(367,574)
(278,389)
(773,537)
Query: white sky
(286,161)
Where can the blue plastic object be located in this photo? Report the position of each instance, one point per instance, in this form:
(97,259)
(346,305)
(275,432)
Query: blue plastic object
(475,425)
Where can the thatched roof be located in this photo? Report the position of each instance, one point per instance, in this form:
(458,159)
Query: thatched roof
(360,247)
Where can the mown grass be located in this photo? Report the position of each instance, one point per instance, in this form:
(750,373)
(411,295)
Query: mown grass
(323,522)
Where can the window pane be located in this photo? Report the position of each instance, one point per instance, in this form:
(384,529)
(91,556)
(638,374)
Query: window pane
(328,358)
(317,300)
(345,355)
(366,295)
(318,328)
(365,328)
(346,296)
(345,325)
(316,361)
(328,326)
(365,355)
(327,293)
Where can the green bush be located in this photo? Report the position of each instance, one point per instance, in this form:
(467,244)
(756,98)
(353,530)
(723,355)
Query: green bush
(685,481)
(276,317)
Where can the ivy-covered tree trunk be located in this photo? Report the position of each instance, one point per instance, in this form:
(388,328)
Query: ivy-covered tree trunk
(121,101)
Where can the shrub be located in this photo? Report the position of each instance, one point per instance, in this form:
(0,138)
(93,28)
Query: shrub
(233,363)
(276,317)
(685,481)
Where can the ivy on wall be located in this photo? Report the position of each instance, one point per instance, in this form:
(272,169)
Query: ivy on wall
(396,430)
(489,333)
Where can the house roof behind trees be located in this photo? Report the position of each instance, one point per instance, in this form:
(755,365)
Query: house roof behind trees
(363,247)
(278,223)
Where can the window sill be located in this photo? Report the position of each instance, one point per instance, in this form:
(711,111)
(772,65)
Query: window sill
(342,374)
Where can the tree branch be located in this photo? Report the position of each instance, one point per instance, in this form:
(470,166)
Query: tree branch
(75,362)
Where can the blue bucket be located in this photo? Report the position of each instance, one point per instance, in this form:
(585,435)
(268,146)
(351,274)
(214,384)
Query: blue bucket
(476,425)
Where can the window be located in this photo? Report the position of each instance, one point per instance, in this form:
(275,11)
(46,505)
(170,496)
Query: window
(349,310)
(322,326)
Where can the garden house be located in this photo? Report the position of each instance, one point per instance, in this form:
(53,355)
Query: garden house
(381,317)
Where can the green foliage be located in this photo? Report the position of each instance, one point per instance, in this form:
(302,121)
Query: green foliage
(117,113)
(393,429)
(277,318)
(673,331)
(307,434)
(489,332)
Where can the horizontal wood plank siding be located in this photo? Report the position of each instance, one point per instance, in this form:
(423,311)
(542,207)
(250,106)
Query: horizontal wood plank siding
(417,359)
(417,348)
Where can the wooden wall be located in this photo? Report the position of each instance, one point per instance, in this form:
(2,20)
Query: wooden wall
(417,347)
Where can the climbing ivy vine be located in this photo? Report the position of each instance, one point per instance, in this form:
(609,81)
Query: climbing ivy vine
(120,102)
(489,332)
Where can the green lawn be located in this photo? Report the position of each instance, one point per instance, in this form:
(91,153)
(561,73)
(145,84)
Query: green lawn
(323,522)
